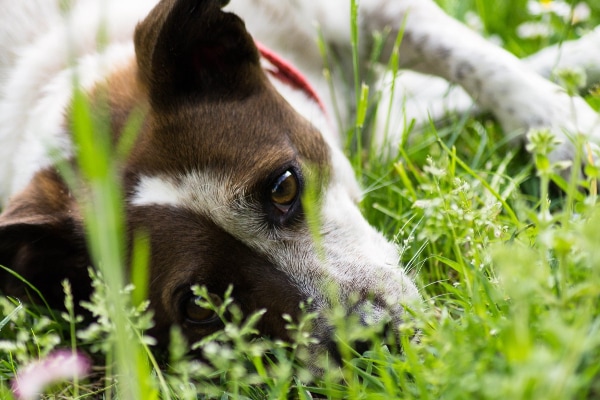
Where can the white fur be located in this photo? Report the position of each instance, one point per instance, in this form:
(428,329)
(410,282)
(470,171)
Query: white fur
(37,85)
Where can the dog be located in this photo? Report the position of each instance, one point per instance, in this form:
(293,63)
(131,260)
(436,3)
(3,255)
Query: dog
(232,136)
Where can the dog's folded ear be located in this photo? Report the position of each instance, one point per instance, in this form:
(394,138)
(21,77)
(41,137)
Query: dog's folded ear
(193,49)
(44,244)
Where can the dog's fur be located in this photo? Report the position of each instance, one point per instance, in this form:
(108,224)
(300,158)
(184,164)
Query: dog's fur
(218,137)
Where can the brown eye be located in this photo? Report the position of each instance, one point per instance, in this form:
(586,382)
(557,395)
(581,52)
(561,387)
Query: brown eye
(285,191)
(198,315)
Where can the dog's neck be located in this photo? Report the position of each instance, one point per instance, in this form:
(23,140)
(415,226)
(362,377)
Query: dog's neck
(285,72)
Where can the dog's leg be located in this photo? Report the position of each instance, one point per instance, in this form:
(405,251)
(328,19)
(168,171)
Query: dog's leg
(520,99)
(424,97)
(583,53)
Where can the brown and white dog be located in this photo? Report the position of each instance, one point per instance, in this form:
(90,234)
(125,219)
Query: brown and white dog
(219,167)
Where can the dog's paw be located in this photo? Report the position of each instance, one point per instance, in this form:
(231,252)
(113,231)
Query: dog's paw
(578,159)
(578,129)
(568,138)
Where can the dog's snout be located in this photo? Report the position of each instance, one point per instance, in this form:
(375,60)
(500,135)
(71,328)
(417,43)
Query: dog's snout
(358,346)
(373,313)
(359,326)
(356,339)
(380,320)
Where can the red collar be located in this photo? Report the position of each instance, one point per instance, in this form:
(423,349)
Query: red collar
(288,74)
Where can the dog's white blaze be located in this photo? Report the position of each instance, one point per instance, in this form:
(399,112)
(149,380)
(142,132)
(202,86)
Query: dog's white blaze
(214,195)
(155,191)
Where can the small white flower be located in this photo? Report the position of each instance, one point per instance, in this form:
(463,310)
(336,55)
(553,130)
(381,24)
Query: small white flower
(581,12)
(533,30)
(473,21)
(558,7)
(427,203)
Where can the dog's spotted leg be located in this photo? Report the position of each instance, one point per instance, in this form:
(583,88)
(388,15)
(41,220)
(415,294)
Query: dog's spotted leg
(423,97)
(581,54)
(520,99)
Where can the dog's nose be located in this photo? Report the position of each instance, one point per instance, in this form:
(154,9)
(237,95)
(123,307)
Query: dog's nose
(386,333)
(364,325)
(380,328)
(376,313)
(360,346)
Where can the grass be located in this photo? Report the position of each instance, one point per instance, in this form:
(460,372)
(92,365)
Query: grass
(509,269)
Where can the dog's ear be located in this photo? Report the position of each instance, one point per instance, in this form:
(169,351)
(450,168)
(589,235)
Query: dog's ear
(193,49)
(43,241)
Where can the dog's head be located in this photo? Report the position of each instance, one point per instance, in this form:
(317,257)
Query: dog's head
(217,179)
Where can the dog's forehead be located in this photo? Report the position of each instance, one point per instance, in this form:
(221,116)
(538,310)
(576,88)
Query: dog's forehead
(250,138)
(220,160)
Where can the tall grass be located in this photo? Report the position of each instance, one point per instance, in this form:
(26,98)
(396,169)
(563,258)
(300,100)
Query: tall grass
(508,266)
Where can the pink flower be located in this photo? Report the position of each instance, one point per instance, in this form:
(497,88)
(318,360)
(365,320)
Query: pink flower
(58,366)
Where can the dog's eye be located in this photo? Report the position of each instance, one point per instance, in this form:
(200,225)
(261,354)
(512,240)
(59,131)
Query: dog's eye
(285,191)
(197,315)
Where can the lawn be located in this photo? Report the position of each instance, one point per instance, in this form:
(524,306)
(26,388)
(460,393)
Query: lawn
(507,263)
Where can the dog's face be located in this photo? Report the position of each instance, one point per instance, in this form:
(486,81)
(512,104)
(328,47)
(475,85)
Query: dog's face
(217,179)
